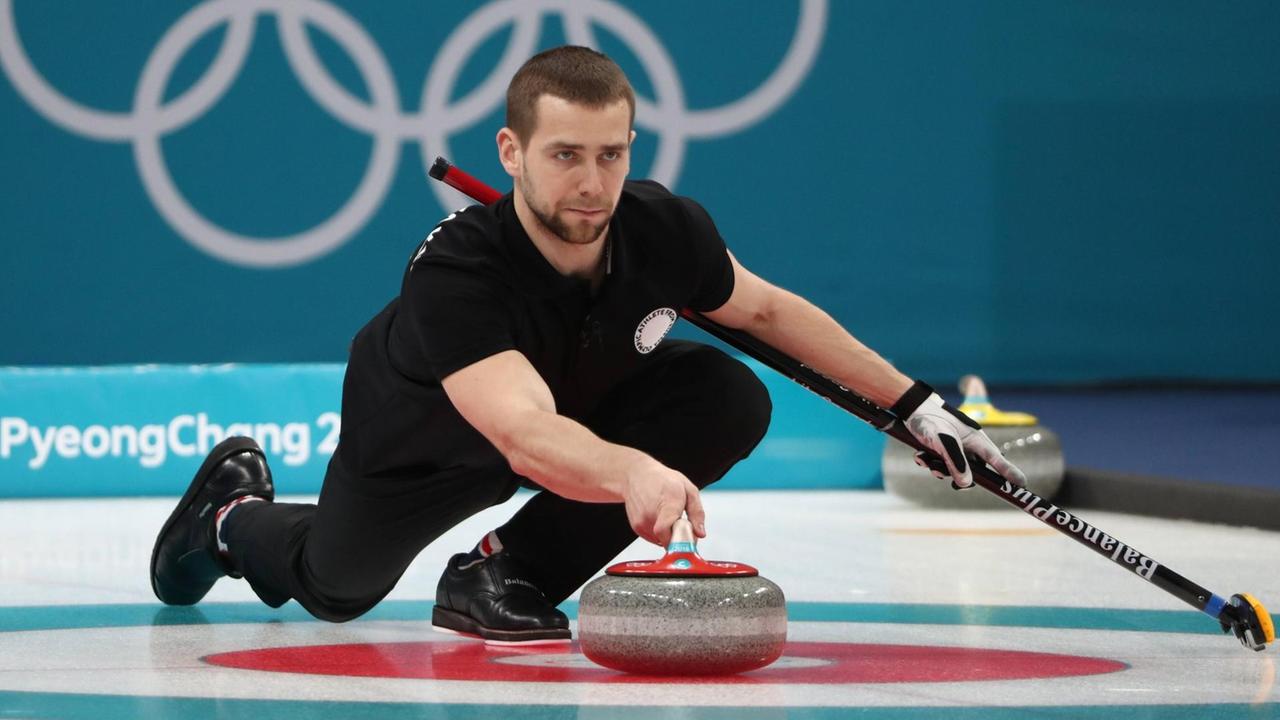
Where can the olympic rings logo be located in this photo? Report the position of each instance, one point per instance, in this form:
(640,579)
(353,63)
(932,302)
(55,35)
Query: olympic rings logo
(381,117)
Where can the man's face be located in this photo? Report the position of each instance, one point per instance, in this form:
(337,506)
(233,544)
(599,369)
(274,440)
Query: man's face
(573,166)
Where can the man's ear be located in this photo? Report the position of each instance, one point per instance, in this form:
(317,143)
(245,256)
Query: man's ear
(509,152)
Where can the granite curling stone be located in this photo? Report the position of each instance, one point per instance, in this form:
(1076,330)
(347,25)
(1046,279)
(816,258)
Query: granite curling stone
(682,615)
(1033,447)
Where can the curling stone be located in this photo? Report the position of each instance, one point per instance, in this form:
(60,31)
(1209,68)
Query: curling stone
(682,615)
(1034,448)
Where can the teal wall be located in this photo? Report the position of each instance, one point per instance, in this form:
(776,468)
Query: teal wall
(1036,192)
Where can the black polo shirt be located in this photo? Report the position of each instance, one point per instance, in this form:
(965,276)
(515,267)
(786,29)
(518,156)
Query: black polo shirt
(478,286)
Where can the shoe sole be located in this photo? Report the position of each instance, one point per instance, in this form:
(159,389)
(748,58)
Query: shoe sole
(220,452)
(452,621)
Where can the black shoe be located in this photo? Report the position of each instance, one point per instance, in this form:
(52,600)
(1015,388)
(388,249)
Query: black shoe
(185,562)
(494,599)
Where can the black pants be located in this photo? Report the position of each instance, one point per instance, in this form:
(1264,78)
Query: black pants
(693,408)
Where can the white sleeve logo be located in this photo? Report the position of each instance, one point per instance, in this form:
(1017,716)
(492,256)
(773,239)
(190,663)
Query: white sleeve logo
(653,328)
(423,248)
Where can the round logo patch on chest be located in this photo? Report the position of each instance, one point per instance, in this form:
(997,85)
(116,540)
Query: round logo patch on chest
(653,328)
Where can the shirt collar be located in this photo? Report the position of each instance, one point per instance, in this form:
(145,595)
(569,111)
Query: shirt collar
(533,272)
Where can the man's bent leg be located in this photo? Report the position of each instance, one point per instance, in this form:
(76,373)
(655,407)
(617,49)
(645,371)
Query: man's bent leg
(342,556)
(694,409)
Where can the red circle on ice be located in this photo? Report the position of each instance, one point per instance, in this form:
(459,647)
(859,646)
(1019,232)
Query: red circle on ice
(801,662)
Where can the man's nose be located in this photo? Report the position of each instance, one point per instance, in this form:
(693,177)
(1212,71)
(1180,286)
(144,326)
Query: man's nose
(591,182)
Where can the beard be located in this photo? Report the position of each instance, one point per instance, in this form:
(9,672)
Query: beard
(578,233)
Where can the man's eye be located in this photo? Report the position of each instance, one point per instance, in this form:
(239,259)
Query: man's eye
(564,155)
(612,155)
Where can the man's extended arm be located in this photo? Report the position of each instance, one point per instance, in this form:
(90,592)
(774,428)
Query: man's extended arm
(805,332)
(800,329)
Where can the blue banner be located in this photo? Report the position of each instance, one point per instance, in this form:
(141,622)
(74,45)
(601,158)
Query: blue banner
(124,431)
(144,430)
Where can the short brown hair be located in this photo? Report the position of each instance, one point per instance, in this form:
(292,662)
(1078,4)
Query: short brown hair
(574,73)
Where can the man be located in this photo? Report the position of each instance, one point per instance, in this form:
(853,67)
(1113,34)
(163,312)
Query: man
(526,348)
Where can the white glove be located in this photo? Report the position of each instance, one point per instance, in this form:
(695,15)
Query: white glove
(950,433)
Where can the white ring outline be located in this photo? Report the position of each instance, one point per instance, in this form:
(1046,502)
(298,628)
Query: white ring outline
(105,125)
(279,251)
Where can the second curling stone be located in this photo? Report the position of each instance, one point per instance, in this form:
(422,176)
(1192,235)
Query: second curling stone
(1027,443)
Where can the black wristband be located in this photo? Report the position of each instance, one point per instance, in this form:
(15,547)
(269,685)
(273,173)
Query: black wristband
(913,398)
